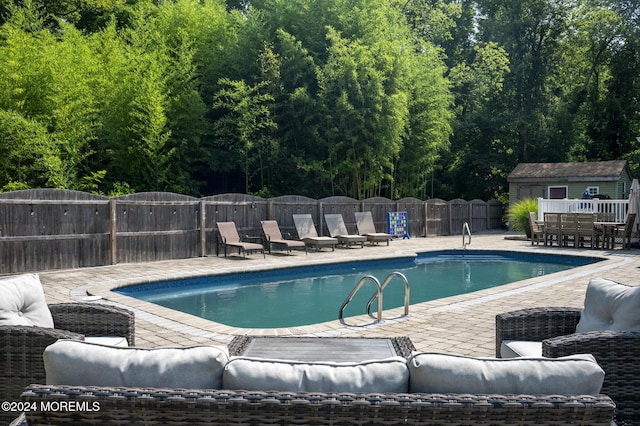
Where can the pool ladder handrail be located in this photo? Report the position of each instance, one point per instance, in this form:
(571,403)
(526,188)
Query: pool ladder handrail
(355,290)
(377,294)
(465,227)
(385,283)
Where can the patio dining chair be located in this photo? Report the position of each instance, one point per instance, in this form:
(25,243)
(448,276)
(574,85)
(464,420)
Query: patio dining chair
(537,230)
(624,232)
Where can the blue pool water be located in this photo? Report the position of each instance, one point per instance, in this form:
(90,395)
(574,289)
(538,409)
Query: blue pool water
(312,294)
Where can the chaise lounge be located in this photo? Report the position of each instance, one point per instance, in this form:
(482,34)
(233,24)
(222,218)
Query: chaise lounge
(338,229)
(366,227)
(272,235)
(229,237)
(307,232)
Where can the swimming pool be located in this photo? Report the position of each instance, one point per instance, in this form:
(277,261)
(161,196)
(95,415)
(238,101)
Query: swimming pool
(312,294)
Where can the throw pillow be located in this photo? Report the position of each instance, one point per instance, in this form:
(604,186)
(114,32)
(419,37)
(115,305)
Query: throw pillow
(609,305)
(74,362)
(23,302)
(441,373)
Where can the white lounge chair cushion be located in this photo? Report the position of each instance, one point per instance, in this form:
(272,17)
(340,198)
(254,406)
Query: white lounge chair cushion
(78,363)
(520,348)
(609,305)
(23,303)
(442,373)
(385,375)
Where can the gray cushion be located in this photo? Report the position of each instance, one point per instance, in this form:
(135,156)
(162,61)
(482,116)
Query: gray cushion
(23,303)
(609,305)
(520,348)
(386,375)
(74,362)
(441,373)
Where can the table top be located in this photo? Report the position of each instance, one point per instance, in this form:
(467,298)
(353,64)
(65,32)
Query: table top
(309,349)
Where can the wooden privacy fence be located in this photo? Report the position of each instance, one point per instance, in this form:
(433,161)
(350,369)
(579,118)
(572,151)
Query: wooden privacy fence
(43,229)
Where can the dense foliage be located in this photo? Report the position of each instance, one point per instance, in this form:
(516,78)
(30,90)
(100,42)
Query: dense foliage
(395,98)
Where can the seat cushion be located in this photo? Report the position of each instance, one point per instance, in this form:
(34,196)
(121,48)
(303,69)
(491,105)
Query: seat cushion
(23,303)
(442,373)
(609,305)
(78,363)
(520,348)
(386,375)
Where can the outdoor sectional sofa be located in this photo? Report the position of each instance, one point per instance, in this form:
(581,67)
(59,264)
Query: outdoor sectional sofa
(204,386)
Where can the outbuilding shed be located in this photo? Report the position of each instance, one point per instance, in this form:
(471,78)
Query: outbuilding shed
(570,180)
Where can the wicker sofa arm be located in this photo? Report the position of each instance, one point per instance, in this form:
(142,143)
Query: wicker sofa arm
(92,319)
(535,324)
(229,407)
(21,360)
(617,353)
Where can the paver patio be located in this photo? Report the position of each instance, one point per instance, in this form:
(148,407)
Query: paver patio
(461,324)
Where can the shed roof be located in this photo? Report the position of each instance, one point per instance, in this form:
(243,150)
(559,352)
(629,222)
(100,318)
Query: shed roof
(588,171)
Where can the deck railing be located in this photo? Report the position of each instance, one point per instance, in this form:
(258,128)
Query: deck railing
(617,207)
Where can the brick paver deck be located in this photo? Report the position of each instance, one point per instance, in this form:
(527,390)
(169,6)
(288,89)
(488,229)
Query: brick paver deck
(462,324)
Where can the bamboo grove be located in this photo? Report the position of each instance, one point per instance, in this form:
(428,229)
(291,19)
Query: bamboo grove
(363,98)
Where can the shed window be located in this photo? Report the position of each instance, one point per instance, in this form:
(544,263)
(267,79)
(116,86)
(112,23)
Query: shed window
(557,192)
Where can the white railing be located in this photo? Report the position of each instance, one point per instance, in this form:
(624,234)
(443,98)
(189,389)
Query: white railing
(618,207)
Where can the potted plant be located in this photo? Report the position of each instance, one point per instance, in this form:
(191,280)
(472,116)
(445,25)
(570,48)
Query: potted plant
(518,215)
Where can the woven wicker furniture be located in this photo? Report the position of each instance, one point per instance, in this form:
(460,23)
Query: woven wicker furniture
(616,352)
(22,346)
(152,406)
(118,406)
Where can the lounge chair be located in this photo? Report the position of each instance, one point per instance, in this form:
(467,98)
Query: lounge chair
(307,233)
(366,227)
(273,235)
(229,237)
(337,229)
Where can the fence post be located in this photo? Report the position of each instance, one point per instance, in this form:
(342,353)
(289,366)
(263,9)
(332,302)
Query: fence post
(203,228)
(113,230)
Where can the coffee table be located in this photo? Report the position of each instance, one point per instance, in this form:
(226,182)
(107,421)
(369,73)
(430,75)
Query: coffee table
(309,349)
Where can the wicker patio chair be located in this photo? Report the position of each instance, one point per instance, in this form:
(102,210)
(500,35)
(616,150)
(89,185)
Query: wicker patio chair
(615,351)
(22,346)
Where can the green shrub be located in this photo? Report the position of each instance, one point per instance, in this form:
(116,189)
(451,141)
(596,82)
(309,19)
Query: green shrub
(518,215)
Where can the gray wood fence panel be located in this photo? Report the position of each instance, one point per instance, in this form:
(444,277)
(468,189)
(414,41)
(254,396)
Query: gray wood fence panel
(459,215)
(437,217)
(44,229)
(415,213)
(479,216)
